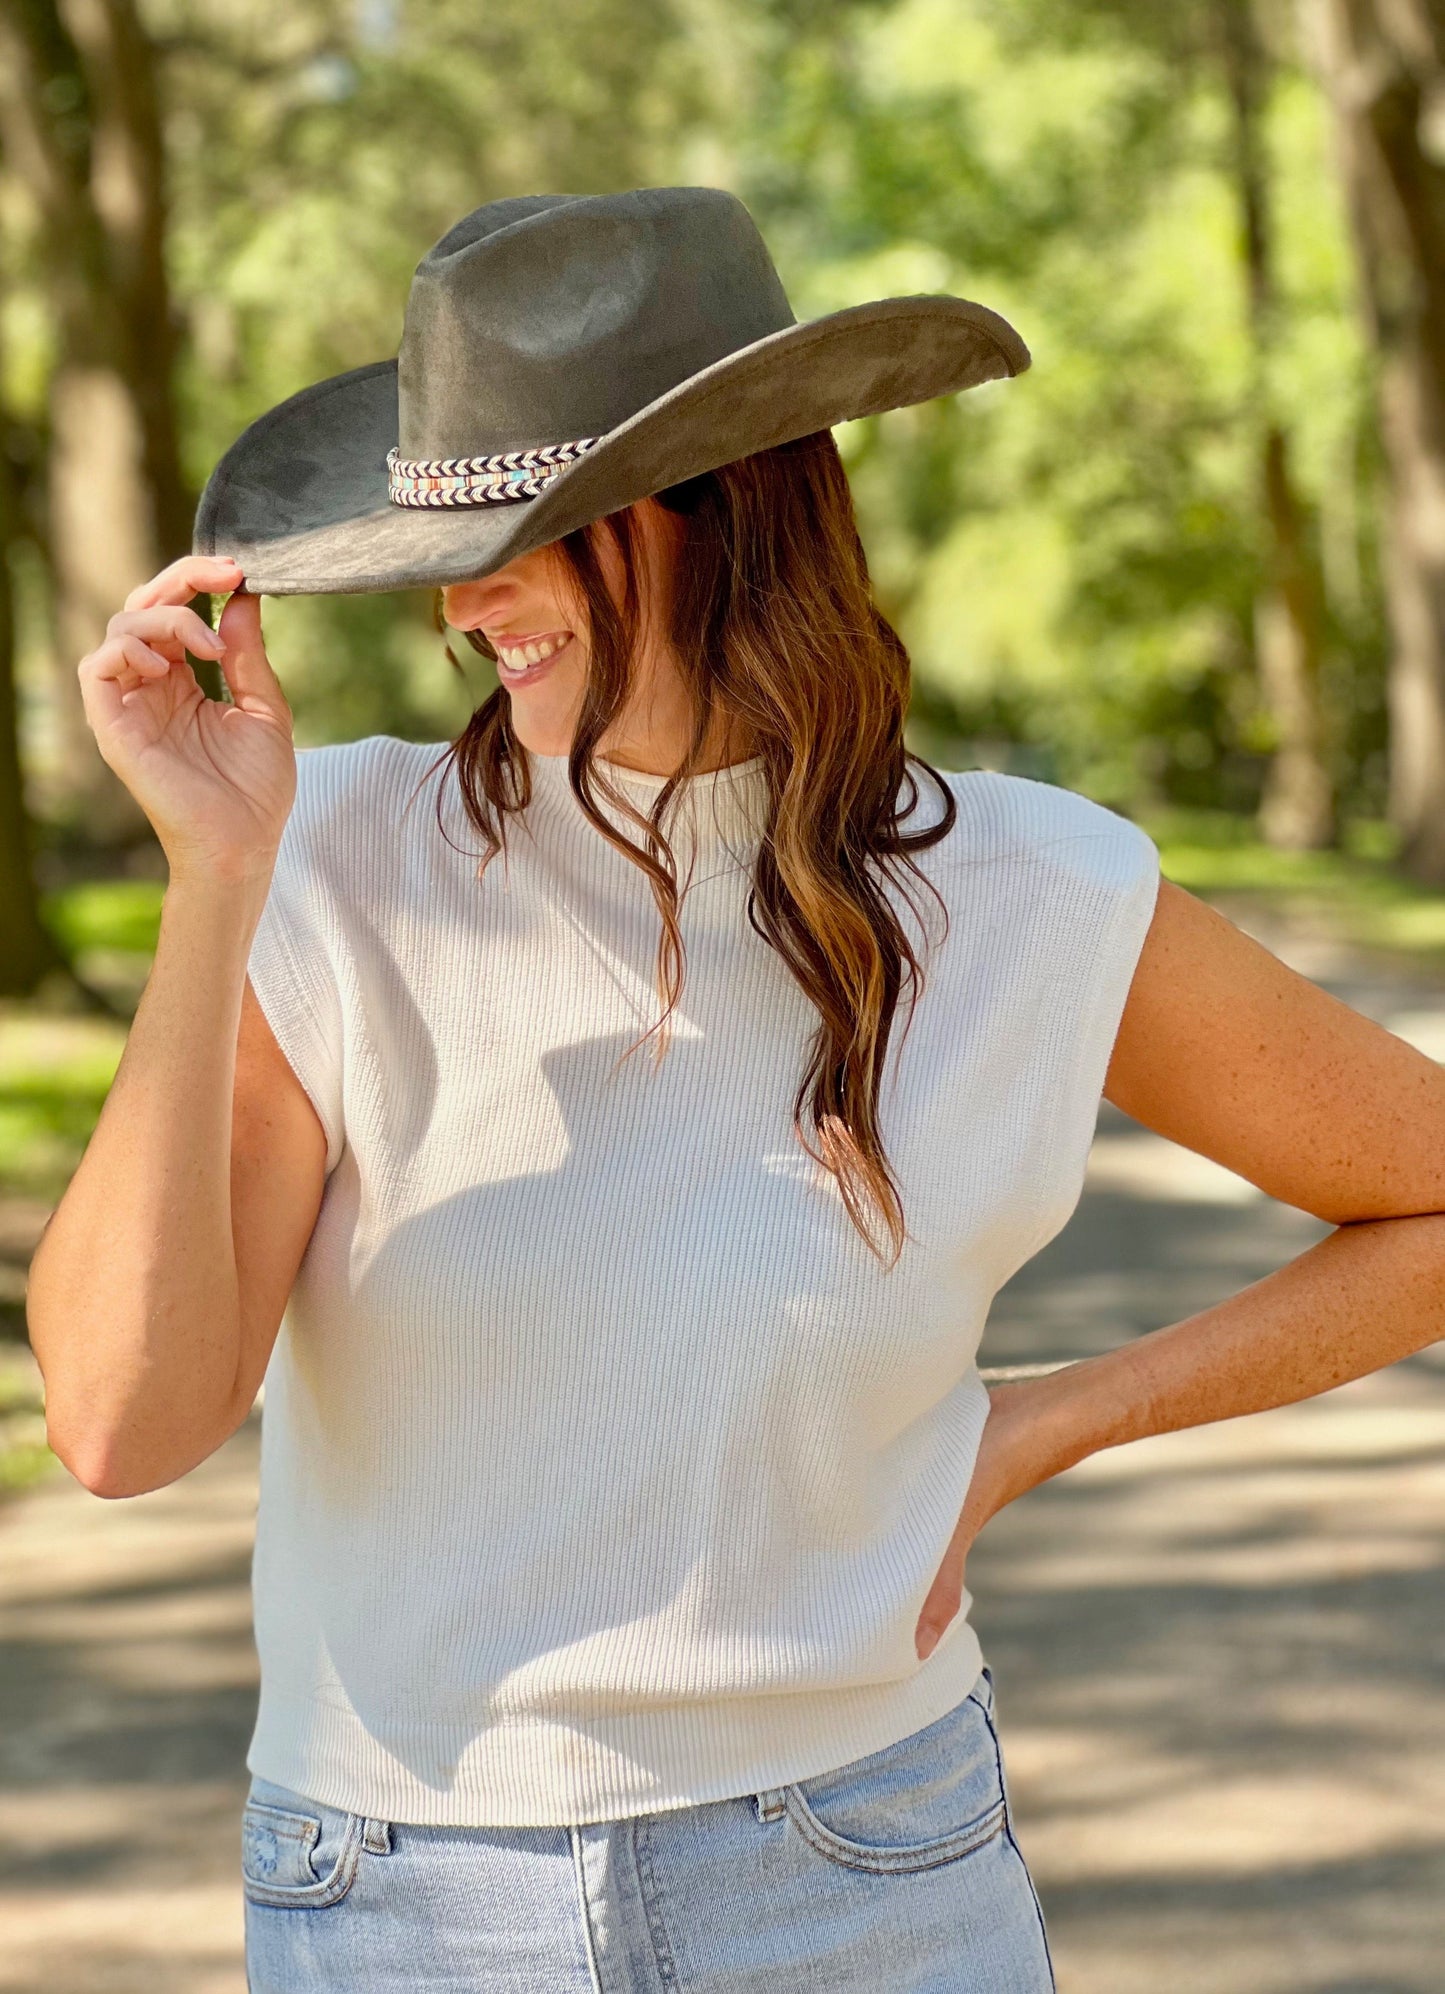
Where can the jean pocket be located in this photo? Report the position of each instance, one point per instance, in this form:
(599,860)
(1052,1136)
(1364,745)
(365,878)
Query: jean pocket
(297,1853)
(932,1798)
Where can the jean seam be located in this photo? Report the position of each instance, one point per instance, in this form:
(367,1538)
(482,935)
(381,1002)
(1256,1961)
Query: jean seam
(1038,1908)
(574,1837)
(1018,1852)
(652,1900)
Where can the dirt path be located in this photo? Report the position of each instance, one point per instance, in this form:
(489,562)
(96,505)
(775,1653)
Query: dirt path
(1220,1655)
(127,1687)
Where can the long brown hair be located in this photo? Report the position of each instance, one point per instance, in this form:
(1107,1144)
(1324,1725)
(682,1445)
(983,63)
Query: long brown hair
(779,641)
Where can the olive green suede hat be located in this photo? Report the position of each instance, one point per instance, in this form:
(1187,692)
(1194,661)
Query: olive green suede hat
(564,356)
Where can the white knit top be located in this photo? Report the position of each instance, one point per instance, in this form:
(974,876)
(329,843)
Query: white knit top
(604,1469)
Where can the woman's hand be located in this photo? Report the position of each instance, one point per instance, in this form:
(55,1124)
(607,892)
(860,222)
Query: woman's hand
(1010,1460)
(217,781)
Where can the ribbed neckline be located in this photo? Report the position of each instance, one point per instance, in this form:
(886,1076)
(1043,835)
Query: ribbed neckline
(722,808)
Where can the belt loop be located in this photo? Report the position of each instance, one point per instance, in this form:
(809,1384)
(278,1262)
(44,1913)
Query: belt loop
(772,1804)
(377,1837)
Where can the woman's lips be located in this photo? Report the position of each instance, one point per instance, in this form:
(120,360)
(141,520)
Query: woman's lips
(522,660)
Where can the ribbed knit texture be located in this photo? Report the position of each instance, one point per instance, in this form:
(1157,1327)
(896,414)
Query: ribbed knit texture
(604,1468)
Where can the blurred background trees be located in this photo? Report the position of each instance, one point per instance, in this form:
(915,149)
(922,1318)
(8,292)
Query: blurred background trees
(1195,558)
(1384,68)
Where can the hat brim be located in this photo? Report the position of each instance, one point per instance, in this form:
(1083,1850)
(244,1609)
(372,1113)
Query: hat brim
(300,501)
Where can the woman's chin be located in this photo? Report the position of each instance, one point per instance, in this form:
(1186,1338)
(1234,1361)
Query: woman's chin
(543,725)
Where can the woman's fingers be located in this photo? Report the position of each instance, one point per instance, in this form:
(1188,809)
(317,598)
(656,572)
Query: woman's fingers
(193,574)
(945,1596)
(182,627)
(125,657)
(244,662)
(216,780)
(129,659)
(109,675)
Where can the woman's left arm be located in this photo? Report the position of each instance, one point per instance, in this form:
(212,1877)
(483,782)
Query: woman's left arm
(1224,1049)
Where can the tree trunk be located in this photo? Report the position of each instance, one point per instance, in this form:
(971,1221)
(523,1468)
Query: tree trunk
(1297,809)
(80,126)
(27,952)
(1383,63)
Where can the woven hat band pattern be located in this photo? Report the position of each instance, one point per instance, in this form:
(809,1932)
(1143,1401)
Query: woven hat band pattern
(497,480)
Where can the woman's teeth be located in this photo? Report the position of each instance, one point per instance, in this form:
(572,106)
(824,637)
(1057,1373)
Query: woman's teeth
(517,658)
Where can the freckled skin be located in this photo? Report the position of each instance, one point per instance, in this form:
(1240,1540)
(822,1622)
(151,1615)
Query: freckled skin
(1224,1049)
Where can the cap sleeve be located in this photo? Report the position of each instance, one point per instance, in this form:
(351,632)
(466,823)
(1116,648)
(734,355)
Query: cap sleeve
(293,964)
(1111,874)
(1074,886)
(1098,882)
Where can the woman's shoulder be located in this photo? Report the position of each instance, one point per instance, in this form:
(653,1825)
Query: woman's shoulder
(354,776)
(349,792)
(352,826)
(1022,820)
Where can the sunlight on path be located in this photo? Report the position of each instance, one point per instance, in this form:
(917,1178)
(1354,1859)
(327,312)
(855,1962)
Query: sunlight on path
(1219,1658)
(128,1675)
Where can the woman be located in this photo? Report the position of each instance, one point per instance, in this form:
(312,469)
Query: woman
(639,1103)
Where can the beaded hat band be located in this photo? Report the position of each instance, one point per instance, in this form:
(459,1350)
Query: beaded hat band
(515,474)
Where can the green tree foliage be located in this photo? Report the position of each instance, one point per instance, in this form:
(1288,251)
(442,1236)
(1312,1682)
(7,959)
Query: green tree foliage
(1078,555)
(1076,558)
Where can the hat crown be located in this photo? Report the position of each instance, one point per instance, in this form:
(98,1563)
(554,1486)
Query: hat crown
(550,318)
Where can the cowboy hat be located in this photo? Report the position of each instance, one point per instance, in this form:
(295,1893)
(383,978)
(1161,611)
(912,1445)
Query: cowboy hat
(562,357)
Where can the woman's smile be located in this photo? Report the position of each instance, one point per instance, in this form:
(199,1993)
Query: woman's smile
(521,660)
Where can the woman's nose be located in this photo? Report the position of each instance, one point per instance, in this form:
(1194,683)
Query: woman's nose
(467,603)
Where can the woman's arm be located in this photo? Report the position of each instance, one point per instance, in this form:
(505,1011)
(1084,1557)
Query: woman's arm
(157,1287)
(1226,1050)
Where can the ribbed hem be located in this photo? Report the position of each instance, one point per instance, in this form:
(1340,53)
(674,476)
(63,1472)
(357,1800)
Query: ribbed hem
(534,1772)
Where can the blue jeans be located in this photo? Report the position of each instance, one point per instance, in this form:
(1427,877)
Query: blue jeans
(898,1874)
